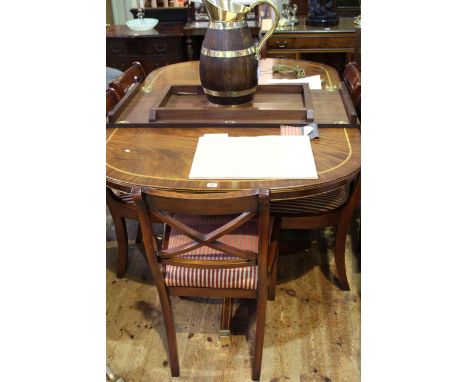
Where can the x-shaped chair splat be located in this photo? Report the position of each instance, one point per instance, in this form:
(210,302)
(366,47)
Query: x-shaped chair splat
(208,239)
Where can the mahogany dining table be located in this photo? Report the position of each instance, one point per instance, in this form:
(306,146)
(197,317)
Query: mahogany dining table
(161,157)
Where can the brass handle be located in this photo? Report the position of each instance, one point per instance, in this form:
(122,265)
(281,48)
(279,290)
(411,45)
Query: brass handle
(160,48)
(274,24)
(280,44)
(115,48)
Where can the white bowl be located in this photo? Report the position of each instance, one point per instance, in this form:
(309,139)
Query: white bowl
(141,25)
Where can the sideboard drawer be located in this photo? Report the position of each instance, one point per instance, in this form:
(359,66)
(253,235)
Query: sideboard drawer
(149,62)
(282,55)
(167,45)
(338,41)
(116,47)
(130,46)
(281,43)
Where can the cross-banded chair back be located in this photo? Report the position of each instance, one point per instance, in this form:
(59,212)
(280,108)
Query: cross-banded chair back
(229,251)
(136,73)
(177,210)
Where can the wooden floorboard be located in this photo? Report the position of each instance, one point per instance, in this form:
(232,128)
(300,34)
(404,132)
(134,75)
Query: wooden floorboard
(312,329)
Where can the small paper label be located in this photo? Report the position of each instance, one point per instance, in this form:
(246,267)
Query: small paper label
(212,185)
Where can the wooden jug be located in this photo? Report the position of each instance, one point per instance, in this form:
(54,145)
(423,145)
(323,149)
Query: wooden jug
(229,57)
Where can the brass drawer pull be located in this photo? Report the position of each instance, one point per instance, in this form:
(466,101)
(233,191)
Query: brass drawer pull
(160,47)
(281,44)
(115,49)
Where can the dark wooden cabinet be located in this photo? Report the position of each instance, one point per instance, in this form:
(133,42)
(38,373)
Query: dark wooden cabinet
(153,49)
(331,45)
(173,42)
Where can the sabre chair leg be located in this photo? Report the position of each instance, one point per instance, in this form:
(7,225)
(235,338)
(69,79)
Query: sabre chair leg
(138,237)
(170,333)
(340,247)
(122,243)
(226,317)
(272,281)
(259,333)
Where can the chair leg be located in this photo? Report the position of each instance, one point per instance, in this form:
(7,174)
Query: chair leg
(138,238)
(259,333)
(226,317)
(272,281)
(122,243)
(340,247)
(170,333)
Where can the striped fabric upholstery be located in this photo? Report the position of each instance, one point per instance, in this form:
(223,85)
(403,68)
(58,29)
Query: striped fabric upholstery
(245,237)
(317,204)
(124,197)
(291,130)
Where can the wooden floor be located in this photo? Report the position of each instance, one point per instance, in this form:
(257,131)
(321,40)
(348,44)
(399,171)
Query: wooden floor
(312,329)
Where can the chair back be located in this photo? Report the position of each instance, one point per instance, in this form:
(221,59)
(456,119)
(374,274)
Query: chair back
(112,98)
(136,73)
(239,208)
(352,79)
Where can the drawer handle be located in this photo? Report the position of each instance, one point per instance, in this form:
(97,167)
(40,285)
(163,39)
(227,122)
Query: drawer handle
(160,48)
(281,44)
(116,49)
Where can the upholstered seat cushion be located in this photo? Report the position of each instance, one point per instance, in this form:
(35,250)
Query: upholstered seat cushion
(245,237)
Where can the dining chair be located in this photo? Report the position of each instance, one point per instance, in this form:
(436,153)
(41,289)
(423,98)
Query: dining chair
(112,98)
(214,245)
(121,206)
(333,208)
(111,75)
(352,79)
(136,73)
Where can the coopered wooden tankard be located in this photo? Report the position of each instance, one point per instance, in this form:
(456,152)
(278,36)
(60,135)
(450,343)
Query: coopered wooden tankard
(229,57)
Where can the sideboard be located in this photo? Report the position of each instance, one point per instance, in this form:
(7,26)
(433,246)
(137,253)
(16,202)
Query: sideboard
(330,45)
(153,49)
(173,42)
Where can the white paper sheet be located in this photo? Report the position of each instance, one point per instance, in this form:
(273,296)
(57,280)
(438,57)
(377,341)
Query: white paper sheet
(313,81)
(264,157)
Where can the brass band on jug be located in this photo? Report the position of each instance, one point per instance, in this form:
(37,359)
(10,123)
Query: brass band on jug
(227,24)
(228,53)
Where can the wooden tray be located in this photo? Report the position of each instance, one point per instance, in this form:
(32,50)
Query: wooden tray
(272,105)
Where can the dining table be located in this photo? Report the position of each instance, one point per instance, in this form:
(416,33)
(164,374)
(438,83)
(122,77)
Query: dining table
(161,157)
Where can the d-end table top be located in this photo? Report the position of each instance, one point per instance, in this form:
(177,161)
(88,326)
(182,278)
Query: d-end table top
(162,157)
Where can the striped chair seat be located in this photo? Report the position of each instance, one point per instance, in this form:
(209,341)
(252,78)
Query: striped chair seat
(245,237)
(124,197)
(317,204)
